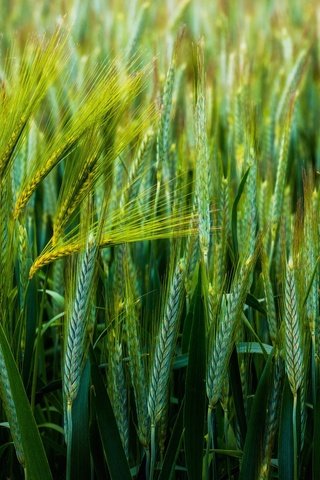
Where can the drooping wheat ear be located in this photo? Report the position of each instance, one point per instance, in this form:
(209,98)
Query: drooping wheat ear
(40,66)
(74,198)
(12,143)
(164,350)
(57,254)
(76,327)
(272,418)
(293,341)
(135,228)
(101,105)
(41,174)
(10,409)
(231,308)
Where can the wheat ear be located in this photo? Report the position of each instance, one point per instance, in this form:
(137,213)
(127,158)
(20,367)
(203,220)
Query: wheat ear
(163,355)
(74,351)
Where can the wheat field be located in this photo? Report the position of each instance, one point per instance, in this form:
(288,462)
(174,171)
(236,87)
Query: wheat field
(159,231)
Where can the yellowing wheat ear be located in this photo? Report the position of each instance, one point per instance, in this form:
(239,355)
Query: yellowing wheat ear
(42,61)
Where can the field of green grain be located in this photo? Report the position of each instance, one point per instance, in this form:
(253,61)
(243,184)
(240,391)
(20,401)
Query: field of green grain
(159,240)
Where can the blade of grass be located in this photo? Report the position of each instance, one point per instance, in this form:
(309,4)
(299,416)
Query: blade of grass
(80,447)
(195,391)
(37,466)
(234,217)
(113,450)
(167,469)
(251,452)
(285,441)
(235,383)
(316,437)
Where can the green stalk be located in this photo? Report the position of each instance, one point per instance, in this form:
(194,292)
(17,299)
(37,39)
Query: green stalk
(69,440)
(295,440)
(209,442)
(147,463)
(153,452)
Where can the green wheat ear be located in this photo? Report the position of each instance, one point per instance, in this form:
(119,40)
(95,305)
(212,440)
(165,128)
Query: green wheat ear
(75,347)
(293,340)
(164,349)
(222,344)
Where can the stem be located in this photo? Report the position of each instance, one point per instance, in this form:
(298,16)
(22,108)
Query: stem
(313,369)
(225,428)
(147,463)
(69,440)
(213,424)
(295,443)
(153,451)
(209,441)
(209,419)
